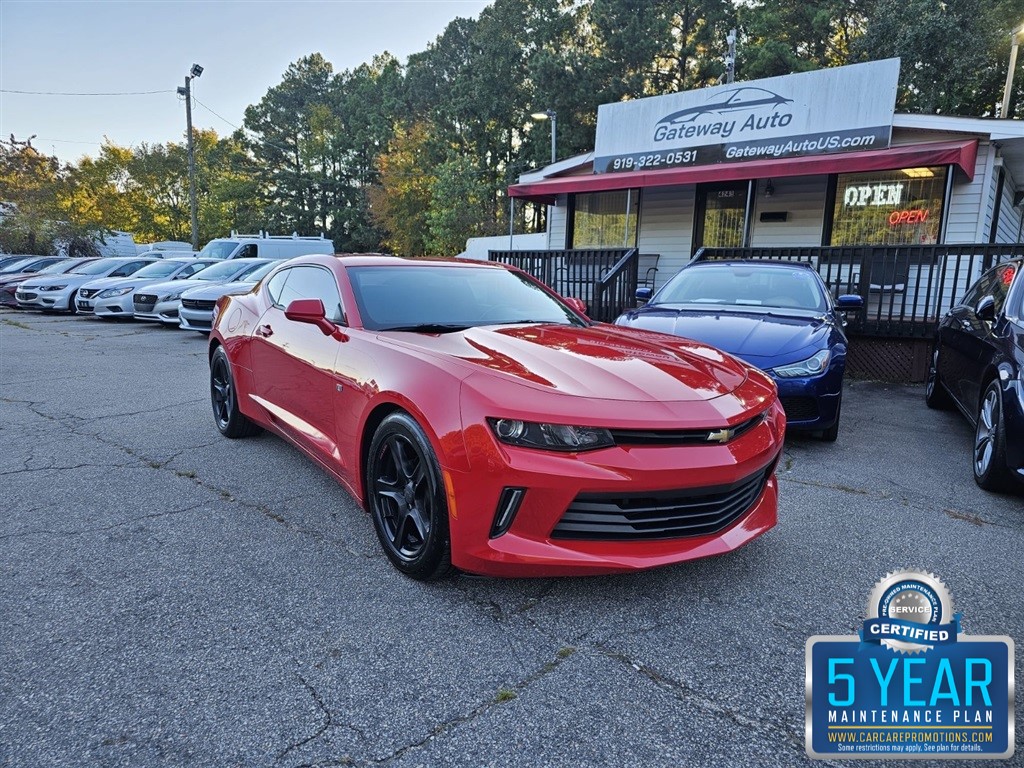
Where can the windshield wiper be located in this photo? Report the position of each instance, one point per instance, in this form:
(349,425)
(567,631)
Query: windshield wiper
(427,328)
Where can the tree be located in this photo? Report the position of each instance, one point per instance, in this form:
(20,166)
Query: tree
(400,202)
(461,207)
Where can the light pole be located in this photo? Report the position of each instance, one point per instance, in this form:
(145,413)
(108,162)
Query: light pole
(1014,43)
(549,114)
(196,71)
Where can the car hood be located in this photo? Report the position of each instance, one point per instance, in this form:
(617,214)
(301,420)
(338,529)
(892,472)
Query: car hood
(174,286)
(213,292)
(14,279)
(755,336)
(71,280)
(598,362)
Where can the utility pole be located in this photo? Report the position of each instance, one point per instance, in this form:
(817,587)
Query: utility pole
(1004,110)
(196,71)
(730,57)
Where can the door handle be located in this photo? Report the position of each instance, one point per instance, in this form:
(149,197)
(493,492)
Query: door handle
(265,331)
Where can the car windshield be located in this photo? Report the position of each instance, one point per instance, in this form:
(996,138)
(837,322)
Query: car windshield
(742,285)
(217,249)
(97,267)
(16,266)
(437,298)
(159,269)
(221,271)
(256,272)
(59,267)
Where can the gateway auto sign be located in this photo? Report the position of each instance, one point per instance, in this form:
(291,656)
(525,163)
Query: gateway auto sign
(811,113)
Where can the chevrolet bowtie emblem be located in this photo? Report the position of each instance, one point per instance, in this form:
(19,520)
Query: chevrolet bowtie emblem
(720,436)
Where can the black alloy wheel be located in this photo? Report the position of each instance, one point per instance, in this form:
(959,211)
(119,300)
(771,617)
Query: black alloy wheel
(990,469)
(935,394)
(230,421)
(405,496)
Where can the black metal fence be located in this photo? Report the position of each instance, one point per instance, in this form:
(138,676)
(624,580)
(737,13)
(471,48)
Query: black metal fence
(605,279)
(906,289)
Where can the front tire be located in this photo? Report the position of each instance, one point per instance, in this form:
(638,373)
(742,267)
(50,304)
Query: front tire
(230,421)
(406,498)
(990,469)
(936,396)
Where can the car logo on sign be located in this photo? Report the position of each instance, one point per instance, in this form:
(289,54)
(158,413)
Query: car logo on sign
(720,436)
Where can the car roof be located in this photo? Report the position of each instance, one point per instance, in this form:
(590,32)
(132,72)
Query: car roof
(752,262)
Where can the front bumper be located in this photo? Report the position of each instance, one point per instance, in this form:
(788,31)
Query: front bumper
(117,306)
(165,312)
(7,296)
(195,319)
(47,300)
(811,402)
(556,482)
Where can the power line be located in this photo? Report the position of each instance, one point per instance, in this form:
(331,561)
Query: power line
(197,101)
(68,93)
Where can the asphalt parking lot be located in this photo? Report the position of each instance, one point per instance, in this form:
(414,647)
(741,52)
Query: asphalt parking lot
(169,597)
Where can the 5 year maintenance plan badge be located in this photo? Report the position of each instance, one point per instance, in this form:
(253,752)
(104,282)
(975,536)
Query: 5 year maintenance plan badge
(912,684)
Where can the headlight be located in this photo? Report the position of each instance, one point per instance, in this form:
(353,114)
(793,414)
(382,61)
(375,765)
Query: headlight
(112,292)
(550,437)
(53,287)
(172,297)
(812,366)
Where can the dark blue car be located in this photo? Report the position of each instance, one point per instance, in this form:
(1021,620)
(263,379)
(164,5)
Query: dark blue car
(978,366)
(778,316)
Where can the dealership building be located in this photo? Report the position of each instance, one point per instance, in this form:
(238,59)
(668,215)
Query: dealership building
(810,159)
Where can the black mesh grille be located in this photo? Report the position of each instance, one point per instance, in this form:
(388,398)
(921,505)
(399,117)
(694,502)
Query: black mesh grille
(660,514)
(800,408)
(683,436)
(144,302)
(198,304)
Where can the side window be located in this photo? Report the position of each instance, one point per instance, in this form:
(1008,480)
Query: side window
(314,283)
(248,251)
(274,286)
(188,271)
(978,291)
(126,269)
(1001,285)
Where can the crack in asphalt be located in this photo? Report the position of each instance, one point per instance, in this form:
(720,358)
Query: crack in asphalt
(691,696)
(321,729)
(98,529)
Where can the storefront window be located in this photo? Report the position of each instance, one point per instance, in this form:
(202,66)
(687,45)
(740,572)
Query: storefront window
(605,219)
(902,207)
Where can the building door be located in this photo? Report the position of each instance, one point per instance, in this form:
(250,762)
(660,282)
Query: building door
(720,219)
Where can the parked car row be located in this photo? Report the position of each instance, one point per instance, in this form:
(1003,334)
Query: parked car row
(143,288)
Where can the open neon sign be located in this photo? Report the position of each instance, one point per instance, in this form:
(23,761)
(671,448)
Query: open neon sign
(909,216)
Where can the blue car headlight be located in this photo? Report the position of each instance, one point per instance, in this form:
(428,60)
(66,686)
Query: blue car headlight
(812,366)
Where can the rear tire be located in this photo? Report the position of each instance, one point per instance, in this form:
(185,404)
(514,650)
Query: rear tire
(936,396)
(990,469)
(406,498)
(230,421)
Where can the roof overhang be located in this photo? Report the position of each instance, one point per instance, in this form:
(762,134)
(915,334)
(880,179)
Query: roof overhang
(959,153)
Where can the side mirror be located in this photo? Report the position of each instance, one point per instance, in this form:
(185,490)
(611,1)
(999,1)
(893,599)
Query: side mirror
(644,294)
(578,304)
(310,311)
(849,302)
(986,309)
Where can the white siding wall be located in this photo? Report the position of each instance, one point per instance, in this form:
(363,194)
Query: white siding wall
(970,210)
(1009,228)
(803,200)
(666,227)
(557,222)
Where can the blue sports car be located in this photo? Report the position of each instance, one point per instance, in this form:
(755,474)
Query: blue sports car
(778,316)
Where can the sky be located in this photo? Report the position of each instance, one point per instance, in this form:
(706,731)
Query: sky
(111,46)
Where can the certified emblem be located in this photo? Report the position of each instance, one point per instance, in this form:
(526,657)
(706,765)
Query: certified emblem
(910,611)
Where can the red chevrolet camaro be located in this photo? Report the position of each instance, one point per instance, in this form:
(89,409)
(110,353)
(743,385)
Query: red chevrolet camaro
(488,425)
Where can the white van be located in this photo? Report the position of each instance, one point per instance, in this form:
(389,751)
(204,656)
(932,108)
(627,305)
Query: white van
(165,253)
(264,246)
(165,245)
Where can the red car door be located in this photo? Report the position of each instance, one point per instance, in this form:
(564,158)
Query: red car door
(294,364)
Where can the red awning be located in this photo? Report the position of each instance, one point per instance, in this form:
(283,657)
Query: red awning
(958,153)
